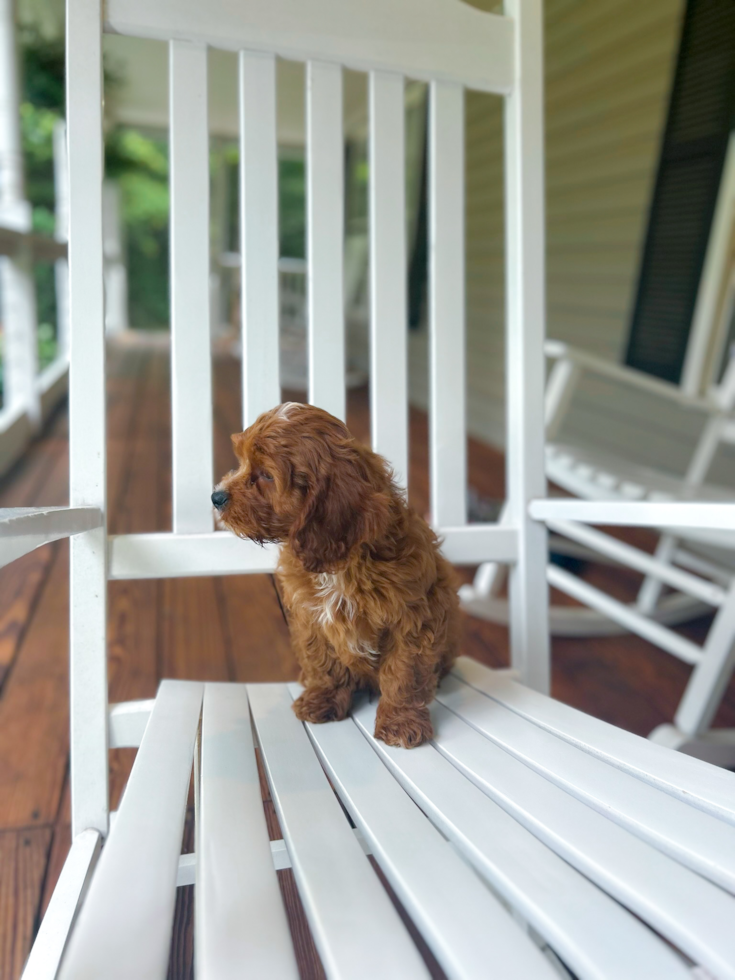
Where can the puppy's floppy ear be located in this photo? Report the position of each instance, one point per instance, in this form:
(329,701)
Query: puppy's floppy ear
(238,441)
(347,504)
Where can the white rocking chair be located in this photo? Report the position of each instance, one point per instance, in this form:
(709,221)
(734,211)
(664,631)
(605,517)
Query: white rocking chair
(528,840)
(695,563)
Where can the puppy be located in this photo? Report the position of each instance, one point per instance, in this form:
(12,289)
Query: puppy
(371,602)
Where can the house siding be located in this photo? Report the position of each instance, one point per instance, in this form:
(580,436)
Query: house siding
(608,71)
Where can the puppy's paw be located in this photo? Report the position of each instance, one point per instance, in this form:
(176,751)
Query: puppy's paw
(406,727)
(319,705)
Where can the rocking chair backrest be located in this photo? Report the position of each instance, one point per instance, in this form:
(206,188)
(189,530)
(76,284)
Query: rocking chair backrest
(447,44)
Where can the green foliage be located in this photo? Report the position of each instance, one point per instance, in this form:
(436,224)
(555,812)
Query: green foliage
(292,206)
(140,165)
(37,130)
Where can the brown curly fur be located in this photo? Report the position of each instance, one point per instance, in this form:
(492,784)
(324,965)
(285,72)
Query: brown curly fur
(371,601)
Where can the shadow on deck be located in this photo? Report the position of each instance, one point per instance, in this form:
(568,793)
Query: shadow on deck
(209,629)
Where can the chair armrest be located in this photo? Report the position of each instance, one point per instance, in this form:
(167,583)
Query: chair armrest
(24,528)
(558,351)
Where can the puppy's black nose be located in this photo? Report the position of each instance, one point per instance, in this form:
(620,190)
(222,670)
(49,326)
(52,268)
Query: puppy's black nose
(220,498)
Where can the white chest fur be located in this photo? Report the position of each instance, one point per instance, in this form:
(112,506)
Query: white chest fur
(332,605)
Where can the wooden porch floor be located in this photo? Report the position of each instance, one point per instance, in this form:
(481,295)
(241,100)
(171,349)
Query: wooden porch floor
(209,629)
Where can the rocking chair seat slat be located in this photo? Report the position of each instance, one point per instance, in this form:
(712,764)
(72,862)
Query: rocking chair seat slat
(695,782)
(517,797)
(124,927)
(694,838)
(594,935)
(241,925)
(465,926)
(693,914)
(344,901)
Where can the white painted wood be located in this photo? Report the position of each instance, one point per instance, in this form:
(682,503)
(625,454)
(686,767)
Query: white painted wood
(116,273)
(282,859)
(716,746)
(560,389)
(24,528)
(641,513)
(695,839)
(421,38)
(34,521)
(325,236)
(641,561)
(388,273)
(447,378)
(165,555)
(689,911)
(124,927)
(525,327)
(701,340)
(87,425)
(61,234)
(191,372)
(128,721)
(50,942)
(687,779)
(626,615)
(187,872)
(673,610)
(53,385)
(474,543)
(16,433)
(594,935)
(17,290)
(555,349)
(20,344)
(345,903)
(709,680)
(461,921)
(259,235)
(11,149)
(241,925)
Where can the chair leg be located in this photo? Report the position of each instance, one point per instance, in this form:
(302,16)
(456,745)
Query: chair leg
(45,957)
(711,675)
(650,590)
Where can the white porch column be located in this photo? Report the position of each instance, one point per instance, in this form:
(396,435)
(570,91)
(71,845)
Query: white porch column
(61,233)
(17,289)
(116,273)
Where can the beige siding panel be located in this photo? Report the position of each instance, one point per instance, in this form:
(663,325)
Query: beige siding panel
(608,71)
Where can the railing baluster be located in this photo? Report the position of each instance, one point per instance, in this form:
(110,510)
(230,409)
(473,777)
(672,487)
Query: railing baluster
(261,387)
(388,348)
(448,442)
(191,370)
(325,220)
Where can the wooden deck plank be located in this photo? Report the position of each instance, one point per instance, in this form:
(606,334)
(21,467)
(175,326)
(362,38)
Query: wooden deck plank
(23,860)
(34,710)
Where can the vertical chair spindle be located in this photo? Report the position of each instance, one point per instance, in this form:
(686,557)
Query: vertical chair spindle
(525,330)
(388,341)
(87,444)
(191,368)
(447,433)
(261,387)
(325,235)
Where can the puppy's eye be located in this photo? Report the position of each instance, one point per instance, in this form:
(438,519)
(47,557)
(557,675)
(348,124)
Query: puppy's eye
(266,476)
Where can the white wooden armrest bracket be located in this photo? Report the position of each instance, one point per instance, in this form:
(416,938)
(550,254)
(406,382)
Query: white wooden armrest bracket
(22,529)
